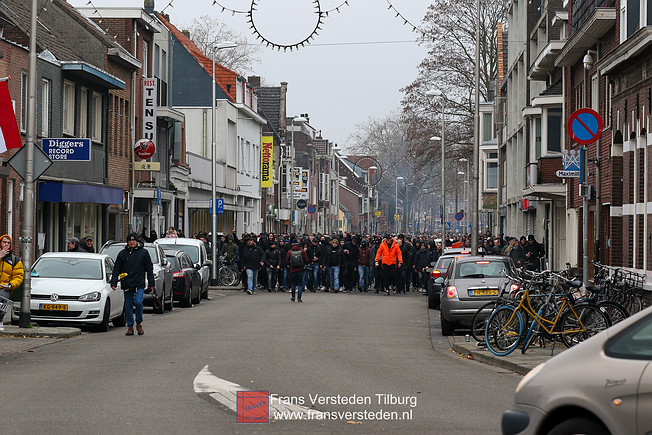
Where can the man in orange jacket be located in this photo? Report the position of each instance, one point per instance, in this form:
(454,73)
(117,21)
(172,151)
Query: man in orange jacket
(389,258)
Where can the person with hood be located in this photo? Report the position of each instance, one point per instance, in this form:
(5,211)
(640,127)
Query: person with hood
(132,265)
(11,272)
(272,260)
(364,271)
(518,252)
(388,258)
(534,252)
(283,247)
(74,245)
(422,260)
(251,257)
(314,253)
(401,275)
(297,259)
(351,253)
(333,259)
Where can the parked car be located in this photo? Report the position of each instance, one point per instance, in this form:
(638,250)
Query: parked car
(439,270)
(74,288)
(603,385)
(186,281)
(471,282)
(162,298)
(196,250)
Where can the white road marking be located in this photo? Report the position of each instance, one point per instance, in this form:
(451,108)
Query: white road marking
(225,392)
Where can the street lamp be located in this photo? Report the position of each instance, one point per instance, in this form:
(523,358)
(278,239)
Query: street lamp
(336,192)
(467,195)
(396,203)
(293,203)
(219,46)
(438,93)
(369,169)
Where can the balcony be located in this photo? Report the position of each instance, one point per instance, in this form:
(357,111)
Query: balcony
(541,179)
(594,27)
(545,61)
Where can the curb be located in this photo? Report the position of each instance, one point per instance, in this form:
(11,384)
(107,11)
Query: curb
(15,331)
(490,359)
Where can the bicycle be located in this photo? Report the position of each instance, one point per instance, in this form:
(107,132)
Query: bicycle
(572,322)
(227,274)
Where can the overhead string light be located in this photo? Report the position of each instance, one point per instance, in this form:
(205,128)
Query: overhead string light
(415,28)
(337,8)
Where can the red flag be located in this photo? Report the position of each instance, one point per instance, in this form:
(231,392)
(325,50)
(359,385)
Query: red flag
(9,135)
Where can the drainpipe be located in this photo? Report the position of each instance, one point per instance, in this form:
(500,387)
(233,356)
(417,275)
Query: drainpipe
(132,186)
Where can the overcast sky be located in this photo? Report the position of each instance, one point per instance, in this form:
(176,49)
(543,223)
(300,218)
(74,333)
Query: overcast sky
(351,71)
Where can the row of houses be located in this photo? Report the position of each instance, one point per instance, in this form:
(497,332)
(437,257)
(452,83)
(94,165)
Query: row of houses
(119,75)
(559,56)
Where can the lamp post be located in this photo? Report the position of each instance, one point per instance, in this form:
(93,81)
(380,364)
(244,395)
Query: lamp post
(293,203)
(466,191)
(396,226)
(369,174)
(220,46)
(439,93)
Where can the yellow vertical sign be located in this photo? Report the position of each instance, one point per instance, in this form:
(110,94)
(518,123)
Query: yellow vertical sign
(266,161)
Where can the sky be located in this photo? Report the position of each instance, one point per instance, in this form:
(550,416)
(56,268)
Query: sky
(352,70)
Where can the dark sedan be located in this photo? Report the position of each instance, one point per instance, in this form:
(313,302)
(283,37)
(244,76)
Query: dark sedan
(186,281)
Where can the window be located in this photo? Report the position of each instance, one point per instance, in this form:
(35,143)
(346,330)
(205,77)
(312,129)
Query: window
(238,92)
(45,108)
(157,60)
(487,127)
(69,108)
(595,99)
(537,137)
(607,100)
(554,129)
(634,342)
(492,175)
(83,112)
(23,102)
(323,187)
(164,65)
(97,117)
(633,16)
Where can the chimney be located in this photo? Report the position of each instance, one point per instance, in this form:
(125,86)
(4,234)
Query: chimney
(254,81)
(187,33)
(283,106)
(149,6)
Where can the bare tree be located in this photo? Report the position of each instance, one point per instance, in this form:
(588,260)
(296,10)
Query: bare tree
(450,67)
(207,32)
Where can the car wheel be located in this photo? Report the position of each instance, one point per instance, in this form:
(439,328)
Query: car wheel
(579,425)
(447,328)
(187,301)
(121,320)
(170,305)
(433,300)
(197,300)
(104,326)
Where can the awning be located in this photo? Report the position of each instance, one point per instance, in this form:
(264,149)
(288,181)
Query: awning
(62,192)
(85,72)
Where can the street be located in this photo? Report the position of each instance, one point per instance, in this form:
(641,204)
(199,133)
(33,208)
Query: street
(329,349)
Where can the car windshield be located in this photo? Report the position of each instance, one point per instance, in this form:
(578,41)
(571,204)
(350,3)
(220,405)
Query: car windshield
(480,269)
(114,249)
(61,267)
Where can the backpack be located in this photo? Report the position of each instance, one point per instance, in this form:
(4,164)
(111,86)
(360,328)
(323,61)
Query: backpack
(296,258)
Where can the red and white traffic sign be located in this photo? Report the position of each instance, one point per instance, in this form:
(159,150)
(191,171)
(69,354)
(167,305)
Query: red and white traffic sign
(585,126)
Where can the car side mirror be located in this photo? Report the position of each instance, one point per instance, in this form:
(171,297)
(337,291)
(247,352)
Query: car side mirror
(207,263)
(197,266)
(439,281)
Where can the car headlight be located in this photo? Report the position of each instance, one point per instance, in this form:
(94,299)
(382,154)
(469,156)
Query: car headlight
(90,297)
(528,377)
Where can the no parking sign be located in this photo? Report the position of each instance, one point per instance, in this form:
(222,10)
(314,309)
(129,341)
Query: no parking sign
(585,126)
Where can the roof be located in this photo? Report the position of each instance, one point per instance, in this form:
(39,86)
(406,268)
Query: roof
(223,75)
(269,104)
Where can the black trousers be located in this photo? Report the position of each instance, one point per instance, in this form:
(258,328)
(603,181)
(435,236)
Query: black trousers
(387,276)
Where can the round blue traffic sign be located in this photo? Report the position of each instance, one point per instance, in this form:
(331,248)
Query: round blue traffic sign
(459,216)
(585,126)
(312,209)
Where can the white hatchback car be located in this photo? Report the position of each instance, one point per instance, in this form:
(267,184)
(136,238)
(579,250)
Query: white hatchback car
(74,288)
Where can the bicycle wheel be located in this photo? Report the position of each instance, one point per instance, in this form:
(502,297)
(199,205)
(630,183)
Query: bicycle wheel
(635,304)
(581,322)
(503,330)
(480,320)
(224,276)
(236,276)
(614,311)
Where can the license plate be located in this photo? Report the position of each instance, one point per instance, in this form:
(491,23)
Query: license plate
(483,292)
(53,307)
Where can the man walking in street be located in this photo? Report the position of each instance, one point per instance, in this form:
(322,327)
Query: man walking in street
(297,259)
(389,258)
(251,258)
(11,272)
(333,259)
(132,265)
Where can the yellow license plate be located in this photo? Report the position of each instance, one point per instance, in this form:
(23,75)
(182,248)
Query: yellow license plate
(53,307)
(483,292)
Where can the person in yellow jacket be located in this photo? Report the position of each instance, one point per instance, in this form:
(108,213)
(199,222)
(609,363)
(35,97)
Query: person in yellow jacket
(11,272)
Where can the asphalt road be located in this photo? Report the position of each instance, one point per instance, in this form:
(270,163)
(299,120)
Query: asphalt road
(329,345)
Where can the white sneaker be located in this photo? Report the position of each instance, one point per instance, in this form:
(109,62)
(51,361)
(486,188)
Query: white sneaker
(2,326)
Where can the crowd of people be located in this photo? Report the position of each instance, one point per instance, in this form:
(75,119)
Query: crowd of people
(346,262)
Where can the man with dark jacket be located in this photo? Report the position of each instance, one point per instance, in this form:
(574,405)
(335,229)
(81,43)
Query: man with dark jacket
(297,259)
(314,253)
(364,271)
(351,252)
(272,262)
(518,252)
(333,260)
(422,260)
(74,245)
(533,254)
(284,247)
(131,266)
(251,259)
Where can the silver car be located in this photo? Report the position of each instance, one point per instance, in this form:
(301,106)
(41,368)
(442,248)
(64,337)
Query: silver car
(471,282)
(164,297)
(197,251)
(603,385)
